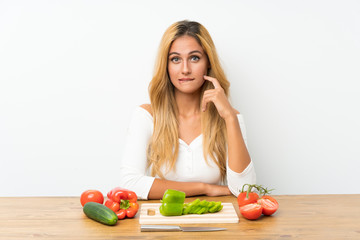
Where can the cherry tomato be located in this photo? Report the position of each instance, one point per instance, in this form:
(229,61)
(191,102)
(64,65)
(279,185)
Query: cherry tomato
(269,204)
(91,196)
(243,200)
(251,211)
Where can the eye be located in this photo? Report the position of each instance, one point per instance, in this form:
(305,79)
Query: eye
(175,59)
(194,58)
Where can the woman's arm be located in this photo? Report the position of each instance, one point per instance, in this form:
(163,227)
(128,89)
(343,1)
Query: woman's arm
(190,188)
(133,162)
(238,156)
(236,179)
(240,169)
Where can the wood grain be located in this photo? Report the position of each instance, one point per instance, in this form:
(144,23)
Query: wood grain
(299,217)
(226,215)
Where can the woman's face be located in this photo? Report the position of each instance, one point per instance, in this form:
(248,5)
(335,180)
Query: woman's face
(187,65)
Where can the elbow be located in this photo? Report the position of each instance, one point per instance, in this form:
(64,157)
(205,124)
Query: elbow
(237,180)
(138,183)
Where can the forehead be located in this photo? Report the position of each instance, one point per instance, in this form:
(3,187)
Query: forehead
(185,44)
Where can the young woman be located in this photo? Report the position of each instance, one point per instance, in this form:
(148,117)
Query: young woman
(189,138)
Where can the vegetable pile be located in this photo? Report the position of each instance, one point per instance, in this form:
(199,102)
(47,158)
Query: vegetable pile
(252,206)
(121,203)
(172,204)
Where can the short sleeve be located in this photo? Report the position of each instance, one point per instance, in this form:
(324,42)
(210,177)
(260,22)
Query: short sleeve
(236,180)
(134,160)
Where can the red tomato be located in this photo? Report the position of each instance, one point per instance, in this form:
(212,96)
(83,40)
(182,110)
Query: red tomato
(251,211)
(269,204)
(91,196)
(243,200)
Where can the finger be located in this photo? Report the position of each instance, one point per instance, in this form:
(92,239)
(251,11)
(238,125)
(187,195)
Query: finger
(215,94)
(214,81)
(209,92)
(207,98)
(203,105)
(205,101)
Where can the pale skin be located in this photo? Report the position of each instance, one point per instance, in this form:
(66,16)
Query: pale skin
(187,67)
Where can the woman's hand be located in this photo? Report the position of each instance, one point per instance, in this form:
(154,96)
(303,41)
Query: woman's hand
(216,190)
(218,97)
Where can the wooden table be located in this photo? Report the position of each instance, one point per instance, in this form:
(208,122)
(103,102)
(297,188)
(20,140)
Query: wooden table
(298,217)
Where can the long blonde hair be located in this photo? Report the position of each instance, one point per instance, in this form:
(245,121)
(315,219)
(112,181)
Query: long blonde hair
(163,147)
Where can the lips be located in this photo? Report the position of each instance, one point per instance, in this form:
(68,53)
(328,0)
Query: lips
(186,79)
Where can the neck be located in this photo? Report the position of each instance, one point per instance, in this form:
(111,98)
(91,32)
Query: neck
(188,104)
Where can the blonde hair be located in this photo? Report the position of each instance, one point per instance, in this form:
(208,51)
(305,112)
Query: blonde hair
(163,147)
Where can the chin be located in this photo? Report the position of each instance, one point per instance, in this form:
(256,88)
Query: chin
(188,91)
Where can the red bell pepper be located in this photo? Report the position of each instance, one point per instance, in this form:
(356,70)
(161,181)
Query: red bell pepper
(122,202)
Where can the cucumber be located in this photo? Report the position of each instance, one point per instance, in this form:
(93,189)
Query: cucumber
(100,213)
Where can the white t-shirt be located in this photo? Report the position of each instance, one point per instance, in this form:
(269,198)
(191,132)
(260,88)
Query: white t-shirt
(190,165)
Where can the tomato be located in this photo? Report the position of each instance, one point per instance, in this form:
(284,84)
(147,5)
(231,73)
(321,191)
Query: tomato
(251,206)
(251,211)
(269,204)
(243,200)
(91,196)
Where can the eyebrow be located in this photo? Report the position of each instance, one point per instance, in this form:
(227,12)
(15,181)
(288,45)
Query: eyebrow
(195,51)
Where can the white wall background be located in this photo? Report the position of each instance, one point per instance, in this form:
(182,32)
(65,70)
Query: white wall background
(71,72)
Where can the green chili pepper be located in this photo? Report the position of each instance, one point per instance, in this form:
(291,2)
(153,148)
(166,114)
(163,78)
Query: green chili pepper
(172,203)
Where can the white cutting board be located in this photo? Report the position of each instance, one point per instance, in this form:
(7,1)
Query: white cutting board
(226,215)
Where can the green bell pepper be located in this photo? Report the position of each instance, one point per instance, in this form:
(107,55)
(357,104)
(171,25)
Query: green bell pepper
(172,203)
(201,207)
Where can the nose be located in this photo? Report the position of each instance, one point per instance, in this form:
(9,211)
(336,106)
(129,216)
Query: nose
(186,69)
